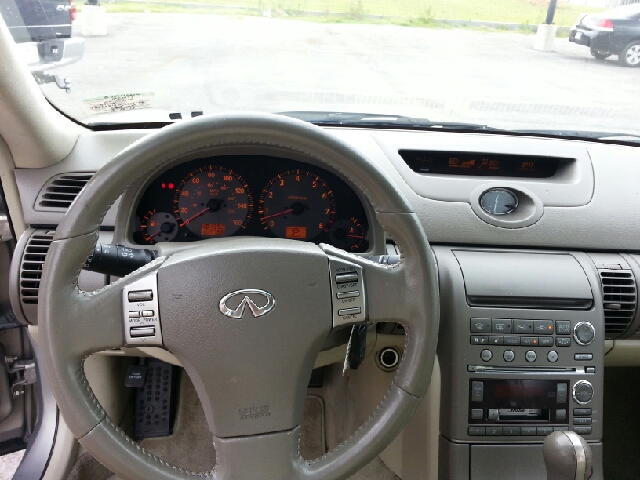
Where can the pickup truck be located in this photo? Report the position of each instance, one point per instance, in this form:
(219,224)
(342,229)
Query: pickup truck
(38,20)
(42,30)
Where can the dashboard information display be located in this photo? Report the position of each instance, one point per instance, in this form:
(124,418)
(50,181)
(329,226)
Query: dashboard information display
(214,197)
(482,164)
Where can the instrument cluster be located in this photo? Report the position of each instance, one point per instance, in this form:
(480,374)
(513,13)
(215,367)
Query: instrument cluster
(251,195)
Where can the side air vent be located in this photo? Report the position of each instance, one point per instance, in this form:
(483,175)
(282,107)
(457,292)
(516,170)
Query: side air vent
(620,299)
(31,268)
(60,191)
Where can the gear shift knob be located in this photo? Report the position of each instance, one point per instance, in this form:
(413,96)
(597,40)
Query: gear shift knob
(567,456)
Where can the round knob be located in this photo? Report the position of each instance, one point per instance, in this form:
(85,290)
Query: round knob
(584,333)
(582,392)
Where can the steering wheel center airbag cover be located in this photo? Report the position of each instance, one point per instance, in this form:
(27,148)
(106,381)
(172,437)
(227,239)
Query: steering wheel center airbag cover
(254,368)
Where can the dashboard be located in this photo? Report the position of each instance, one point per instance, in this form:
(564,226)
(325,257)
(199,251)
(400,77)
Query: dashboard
(252,195)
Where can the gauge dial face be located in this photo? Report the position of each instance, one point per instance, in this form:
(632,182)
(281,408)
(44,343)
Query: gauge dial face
(297,204)
(159,227)
(347,233)
(498,201)
(213,202)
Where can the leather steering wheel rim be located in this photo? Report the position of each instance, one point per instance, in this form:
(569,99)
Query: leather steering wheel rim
(74,324)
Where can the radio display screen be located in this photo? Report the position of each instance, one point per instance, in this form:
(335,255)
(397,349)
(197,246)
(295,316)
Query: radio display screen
(482,164)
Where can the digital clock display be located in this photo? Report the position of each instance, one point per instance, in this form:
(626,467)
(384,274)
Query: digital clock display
(482,164)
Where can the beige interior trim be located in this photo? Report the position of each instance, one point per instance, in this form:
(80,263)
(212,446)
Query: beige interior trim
(12,196)
(624,353)
(64,453)
(36,134)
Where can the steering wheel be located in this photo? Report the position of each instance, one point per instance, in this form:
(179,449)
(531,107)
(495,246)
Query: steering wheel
(251,372)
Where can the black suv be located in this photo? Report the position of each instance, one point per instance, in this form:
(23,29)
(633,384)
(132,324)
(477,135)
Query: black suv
(614,32)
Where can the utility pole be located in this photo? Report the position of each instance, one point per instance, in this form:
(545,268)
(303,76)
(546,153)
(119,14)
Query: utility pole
(551,12)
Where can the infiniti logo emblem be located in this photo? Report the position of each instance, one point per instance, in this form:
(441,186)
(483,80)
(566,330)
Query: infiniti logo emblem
(256,310)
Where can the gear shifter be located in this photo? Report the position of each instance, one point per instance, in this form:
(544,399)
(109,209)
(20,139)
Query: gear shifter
(567,456)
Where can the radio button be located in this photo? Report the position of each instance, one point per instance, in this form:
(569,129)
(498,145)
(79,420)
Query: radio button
(543,327)
(486,355)
(563,327)
(476,431)
(564,428)
(582,392)
(495,340)
(528,431)
(477,391)
(563,341)
(477,414)
(552,356)
(511,431)
(582,421)
(582,357)
(529,341)
(581,412)
(582,430)
(523,326)
(561,414)
(544,431)
(479,340)
(493,414)
(584,333)
(508,356)
(480,325)
(494,431)
(562,391)
(545,342)
(512,341)
(501,325)
(530,356)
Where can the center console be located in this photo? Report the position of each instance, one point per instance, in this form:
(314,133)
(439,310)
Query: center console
(521,350)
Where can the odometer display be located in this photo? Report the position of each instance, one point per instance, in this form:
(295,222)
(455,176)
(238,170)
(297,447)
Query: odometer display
(213,201)
(297,204)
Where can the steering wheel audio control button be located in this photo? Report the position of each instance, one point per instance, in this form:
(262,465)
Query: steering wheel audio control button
(140,296)
(348,292)
(142,326)
(142,331)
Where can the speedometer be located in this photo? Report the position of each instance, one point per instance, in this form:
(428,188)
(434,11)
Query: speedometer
(297,204)
(213,201)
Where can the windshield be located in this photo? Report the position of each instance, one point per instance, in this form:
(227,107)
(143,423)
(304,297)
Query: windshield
(489,62)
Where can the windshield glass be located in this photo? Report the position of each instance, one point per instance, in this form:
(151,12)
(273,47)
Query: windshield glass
(506,64)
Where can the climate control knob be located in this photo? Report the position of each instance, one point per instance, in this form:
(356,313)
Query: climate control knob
(582,392)
(584,333)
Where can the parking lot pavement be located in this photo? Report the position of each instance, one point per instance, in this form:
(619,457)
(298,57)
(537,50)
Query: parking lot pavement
(216,63)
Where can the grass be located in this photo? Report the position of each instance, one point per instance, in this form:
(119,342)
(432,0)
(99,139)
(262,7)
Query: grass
(417,12)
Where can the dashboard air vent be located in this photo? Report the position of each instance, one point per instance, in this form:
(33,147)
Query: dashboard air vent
(32,262)
(60,191)
(620,299)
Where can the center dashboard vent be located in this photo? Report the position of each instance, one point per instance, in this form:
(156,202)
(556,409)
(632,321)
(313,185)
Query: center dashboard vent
(620,299)
(60,191)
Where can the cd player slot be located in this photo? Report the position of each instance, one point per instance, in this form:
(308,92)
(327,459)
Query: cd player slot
(511,415)
(522,370)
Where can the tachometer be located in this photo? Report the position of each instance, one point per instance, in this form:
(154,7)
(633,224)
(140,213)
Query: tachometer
(159,227)
(213,201)
(297,204)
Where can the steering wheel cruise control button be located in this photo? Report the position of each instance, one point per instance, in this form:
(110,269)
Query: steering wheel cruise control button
(341,295)
(348,292)
(144,327)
